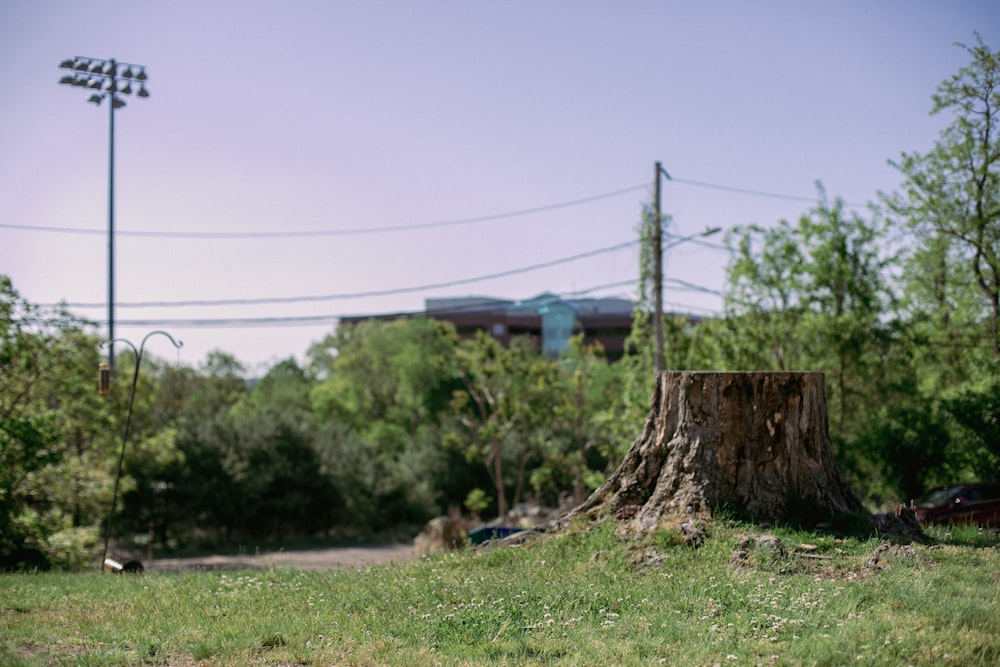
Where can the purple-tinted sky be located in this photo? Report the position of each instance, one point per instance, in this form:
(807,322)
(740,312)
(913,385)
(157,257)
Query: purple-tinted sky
(328,116)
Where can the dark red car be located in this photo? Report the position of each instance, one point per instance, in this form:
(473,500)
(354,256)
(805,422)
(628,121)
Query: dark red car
(970,503)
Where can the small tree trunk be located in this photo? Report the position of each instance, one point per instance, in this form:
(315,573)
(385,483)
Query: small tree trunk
(753,442)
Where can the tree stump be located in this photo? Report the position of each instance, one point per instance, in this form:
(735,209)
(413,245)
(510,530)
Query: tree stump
(754,442)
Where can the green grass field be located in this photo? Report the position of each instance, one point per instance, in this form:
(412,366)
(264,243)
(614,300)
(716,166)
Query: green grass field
(583,597)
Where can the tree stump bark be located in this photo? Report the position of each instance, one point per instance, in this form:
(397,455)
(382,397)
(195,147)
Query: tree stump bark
(754,442)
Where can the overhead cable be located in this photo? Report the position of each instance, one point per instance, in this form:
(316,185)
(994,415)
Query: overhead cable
(331,319)
(334,232)
(355,295)
(756,193)
(354,231)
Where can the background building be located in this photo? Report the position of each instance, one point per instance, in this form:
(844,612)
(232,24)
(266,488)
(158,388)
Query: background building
(548,319)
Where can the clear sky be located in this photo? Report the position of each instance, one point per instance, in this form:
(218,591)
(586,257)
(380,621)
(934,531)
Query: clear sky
(534,126)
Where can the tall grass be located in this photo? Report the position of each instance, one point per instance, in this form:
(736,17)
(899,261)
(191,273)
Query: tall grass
(584,597)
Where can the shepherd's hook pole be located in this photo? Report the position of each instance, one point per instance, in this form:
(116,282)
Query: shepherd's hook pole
(128,426)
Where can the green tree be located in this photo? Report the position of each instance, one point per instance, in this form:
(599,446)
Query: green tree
(950,201)
(56,450)
(763,301)
(948,215)
(506,394)
(814,297)
(908,444)
(285,387)
(379,493)
(974,409)
(277,475)
(578,444)
(195,493)
(636,370)
(387,379)
(384,396)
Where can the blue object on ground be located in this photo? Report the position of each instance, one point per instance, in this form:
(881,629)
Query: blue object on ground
(484,533)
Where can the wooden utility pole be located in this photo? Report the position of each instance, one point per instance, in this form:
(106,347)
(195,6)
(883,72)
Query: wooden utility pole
(658,269)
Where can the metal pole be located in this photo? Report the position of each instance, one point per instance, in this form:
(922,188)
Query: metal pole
(111,229)
(658,271)
(128,427)
(121,455)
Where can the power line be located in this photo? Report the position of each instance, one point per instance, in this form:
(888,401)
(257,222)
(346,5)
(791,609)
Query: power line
(756,193)
(334,232)
(701,242)
(355,231)
(356,295)
(235,322)
(331,319)
(597,288)
(316,320)
(692,287)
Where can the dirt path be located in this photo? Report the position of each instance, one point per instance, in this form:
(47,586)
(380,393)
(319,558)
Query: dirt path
(312,559)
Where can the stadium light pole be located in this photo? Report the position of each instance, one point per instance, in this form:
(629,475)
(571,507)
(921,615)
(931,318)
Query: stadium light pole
(102,76)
